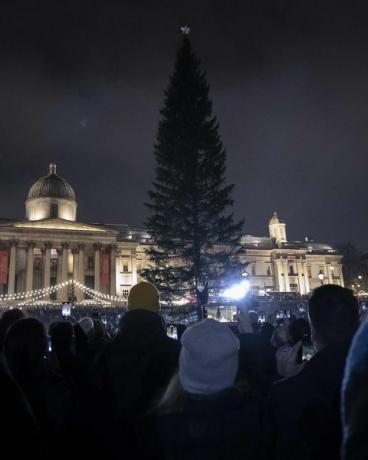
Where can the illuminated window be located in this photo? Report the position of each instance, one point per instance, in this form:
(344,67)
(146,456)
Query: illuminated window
(124,293)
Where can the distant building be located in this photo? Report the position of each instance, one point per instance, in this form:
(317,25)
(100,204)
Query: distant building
(51,247)
(276,264)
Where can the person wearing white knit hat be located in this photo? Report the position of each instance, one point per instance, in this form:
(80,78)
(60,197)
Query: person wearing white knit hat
(208,360)
(205,411)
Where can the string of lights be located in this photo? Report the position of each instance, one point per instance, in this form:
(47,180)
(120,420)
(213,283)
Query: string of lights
(28,297)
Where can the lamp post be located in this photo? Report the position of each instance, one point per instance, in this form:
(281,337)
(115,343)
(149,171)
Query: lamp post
(321,276)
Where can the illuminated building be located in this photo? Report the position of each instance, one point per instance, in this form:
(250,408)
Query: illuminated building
(51,247)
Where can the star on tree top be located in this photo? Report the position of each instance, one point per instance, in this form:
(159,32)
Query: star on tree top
(185,30)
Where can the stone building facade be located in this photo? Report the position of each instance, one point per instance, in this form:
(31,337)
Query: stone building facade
(51,247)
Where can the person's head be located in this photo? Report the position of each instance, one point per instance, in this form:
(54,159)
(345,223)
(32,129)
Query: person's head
(208,360)
(298,331)
(100,329)
(333,315)
(87,325)
(25,346)
(144,296)
(62,335)
(7,319)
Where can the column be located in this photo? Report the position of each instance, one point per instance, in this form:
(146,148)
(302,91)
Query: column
(12,266)
(329,273)
(64,271)
(29,267)
(299,267)
(112,269)
(97,248)
(133,255)
(341,276)
(75,252)
(59,270)
(81,247)
(47,267)
(286,275)
(306,277)
(280,278)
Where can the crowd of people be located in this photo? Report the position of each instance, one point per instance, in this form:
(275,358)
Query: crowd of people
(76,389)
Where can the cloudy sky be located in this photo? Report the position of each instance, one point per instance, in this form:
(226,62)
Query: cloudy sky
(81,84)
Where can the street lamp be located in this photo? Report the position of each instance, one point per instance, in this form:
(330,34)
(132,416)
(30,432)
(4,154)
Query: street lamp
(321,276)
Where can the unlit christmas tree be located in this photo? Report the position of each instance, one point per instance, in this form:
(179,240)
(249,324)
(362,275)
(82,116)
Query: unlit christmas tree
(191,220)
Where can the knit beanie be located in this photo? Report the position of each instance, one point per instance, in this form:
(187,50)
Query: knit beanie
(144,296)
(208,360)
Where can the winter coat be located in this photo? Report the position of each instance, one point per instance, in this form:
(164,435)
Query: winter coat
(130,374)
(257,362)
(225,426)
(354,399)
(20,434)
(305,409)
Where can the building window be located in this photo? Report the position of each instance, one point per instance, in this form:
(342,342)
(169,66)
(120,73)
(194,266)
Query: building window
(125,267)
(291,270)
(254,270)
(309,272)
(124,293)
(268,271)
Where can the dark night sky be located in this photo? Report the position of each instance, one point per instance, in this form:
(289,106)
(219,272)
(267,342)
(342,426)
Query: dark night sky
(81,84)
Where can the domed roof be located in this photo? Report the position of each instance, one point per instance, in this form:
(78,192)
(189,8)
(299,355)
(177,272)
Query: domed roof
(275,219)
(51,186)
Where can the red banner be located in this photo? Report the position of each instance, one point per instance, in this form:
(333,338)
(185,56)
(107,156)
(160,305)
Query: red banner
(105,271)
(4,257)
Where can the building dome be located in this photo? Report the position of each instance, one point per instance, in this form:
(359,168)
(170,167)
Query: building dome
(51,186)
(51,197)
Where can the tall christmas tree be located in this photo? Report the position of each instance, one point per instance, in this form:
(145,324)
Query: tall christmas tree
(196,240)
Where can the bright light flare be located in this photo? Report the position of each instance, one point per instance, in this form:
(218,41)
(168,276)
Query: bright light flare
(237,291)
